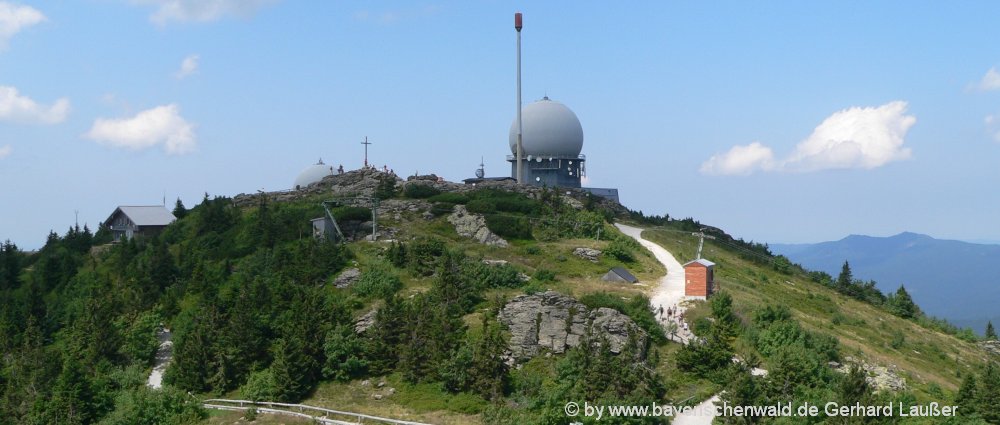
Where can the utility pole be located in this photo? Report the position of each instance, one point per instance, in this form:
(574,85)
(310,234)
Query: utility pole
(520,148)
(366,143)
(701,240)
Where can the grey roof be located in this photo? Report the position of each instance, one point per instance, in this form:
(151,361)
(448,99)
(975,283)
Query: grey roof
(624,274)
(153,215)
(701,261)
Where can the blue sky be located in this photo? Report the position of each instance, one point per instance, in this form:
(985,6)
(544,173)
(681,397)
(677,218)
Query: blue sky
(776,121)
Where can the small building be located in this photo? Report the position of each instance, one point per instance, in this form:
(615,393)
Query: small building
(618,274)
(323,228)
(699,279)
(127,222)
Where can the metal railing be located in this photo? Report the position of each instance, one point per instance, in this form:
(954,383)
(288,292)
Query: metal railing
(321,415)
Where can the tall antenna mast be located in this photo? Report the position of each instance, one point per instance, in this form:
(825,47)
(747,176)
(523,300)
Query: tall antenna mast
(366,143)
(520,152)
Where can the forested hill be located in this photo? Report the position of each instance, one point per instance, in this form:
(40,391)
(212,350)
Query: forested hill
(422,327)
(950,279)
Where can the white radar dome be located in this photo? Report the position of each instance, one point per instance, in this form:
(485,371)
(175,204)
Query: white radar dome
(313,174)
(549,128)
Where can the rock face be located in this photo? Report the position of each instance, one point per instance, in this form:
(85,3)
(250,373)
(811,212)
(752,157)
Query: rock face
(554,322)
(588,254)
(992,347)
(879,377)
(474,226)
(347,278)
(365,322)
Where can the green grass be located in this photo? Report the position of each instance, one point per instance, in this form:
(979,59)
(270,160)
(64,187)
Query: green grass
(925,358)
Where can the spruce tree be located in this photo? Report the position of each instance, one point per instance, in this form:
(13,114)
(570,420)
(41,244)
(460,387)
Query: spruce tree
(966,398)
(179,210)
(988,393)
(902,305)
(991,334)
(845,278)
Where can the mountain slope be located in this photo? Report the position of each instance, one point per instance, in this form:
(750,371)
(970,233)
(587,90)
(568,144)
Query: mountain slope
(952,279)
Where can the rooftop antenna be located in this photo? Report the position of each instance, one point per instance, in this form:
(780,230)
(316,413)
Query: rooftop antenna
(481,172)
(520,148)
(76,213)
(366,143)
(701,240)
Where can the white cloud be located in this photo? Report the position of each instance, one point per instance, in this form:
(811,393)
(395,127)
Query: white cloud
(990,81)
(5,151)
(188,66)
(740,160)
(160,125)
(857,137)
(200,10)
(14,18)
(991,127)
(17,108)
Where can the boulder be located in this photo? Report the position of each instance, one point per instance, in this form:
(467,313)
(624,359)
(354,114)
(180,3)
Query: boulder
(474,226)
(879,377)
(364,322)
(588,254)
(553,322)
(347,278)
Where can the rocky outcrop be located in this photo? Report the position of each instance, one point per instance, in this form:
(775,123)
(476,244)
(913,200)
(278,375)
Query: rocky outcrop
(364,322)
(992,347)
(550,321)
(347,278)
(879,377)
(588,254)
(474,226)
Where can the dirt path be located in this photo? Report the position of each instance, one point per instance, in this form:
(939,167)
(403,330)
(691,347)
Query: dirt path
(163,355)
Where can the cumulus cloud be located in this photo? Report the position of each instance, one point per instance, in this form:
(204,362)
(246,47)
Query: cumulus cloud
(188,66)
(14,18)
(200,10)
(740,160)
(22,109)
(990,81)
(5,151)
(162,125)
(858,137)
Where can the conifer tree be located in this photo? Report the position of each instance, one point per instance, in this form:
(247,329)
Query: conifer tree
(179,210)
(966,397)
(991,334)
(71,396)
(902,305)
(845,278)
(988,393)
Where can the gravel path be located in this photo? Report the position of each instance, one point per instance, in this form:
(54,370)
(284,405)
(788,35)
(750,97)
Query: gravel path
(670,294)
(163,355)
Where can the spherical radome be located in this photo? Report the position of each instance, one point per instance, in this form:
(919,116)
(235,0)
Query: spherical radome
(549,128)
(313,174)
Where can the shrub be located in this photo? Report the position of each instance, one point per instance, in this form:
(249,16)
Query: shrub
(509,227)
(420,191)
(442,208)
(260,386)
(351,214)
(481,206)
(620,250)
(545,275)
(491,276)
(377,282)
(423,255)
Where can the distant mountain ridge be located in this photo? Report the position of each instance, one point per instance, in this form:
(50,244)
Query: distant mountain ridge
(957,280)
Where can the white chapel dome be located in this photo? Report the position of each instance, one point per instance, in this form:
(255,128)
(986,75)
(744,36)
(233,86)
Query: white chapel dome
(549,128)
(313,174)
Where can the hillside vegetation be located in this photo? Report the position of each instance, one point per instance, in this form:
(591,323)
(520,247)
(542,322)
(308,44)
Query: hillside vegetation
(250,297)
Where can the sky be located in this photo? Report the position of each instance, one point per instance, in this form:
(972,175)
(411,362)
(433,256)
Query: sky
(775,121)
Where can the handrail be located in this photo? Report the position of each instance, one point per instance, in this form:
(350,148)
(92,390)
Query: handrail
(271,408)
